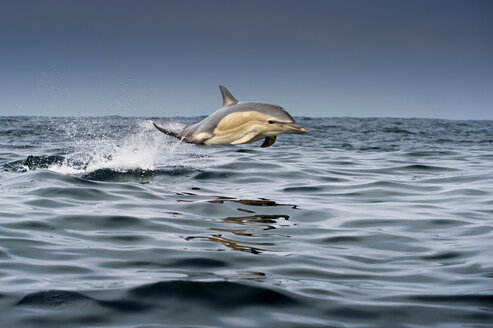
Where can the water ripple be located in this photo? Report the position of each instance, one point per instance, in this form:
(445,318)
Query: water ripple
(358,223)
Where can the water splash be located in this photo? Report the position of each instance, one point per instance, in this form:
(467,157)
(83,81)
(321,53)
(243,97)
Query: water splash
(140,149)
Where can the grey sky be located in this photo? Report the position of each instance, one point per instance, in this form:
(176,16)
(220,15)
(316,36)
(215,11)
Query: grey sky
(316,58)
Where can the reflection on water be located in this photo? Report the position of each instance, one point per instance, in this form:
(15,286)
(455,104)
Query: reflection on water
(236,245)
(255,223)
(251,226)
(249,202)
(243,220)
(252,275)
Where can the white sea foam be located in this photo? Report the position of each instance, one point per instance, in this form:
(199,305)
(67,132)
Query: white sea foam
(143,149)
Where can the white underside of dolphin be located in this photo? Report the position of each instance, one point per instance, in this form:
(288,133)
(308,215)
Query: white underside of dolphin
(237,123)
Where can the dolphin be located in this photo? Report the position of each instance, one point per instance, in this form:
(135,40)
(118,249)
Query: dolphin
(238,123)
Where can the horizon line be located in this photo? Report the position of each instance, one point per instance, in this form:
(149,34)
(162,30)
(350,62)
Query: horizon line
(198,116)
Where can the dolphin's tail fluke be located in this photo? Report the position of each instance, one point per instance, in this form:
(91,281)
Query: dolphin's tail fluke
(179,135)
(167,132)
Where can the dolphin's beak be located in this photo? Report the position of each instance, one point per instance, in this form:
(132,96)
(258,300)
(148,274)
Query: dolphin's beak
(295,127)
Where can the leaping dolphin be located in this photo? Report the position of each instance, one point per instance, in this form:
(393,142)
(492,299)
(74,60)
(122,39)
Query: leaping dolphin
(238,123)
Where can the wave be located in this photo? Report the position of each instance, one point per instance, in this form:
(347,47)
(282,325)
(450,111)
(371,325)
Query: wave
(135,174)
(220,294)
(141,154)
(143,150)
(33,162)
(54,299)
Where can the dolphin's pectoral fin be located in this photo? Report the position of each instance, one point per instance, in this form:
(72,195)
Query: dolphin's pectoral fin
(269,141)
(246,138)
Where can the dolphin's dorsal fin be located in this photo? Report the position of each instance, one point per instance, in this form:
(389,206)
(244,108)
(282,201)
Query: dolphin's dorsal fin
(228,98)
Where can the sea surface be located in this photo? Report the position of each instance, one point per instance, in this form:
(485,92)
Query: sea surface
(105,222)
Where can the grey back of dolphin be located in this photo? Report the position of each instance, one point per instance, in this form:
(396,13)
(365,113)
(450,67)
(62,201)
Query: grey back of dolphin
(237,123)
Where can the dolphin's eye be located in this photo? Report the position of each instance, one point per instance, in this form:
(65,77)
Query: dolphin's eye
(272,122)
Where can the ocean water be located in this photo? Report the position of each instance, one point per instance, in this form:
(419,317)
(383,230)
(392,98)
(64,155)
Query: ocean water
(105,222)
